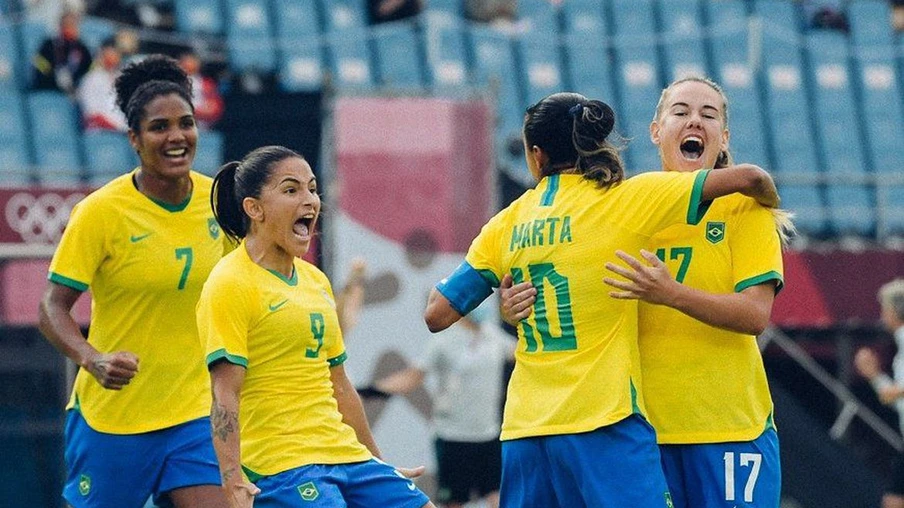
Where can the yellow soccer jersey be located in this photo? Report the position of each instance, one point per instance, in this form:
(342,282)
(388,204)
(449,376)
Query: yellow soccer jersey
(703,384)
(285,333)
(145,263)
(577,365)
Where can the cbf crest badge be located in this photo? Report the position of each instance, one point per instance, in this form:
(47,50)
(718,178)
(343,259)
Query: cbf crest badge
(715,232)
(213,228)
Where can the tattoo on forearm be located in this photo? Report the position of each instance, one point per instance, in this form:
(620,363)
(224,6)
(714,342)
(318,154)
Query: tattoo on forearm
(224,421)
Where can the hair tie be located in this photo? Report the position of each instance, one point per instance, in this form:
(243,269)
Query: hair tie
(576,109)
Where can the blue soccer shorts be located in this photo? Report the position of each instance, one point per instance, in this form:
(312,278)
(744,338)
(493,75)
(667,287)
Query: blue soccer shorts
(126,469)
(615,465)
(356,485)
(734,474)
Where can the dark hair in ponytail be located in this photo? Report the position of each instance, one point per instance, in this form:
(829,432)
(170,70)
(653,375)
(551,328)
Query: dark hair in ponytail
(238,180)
(572,130)
(142,81)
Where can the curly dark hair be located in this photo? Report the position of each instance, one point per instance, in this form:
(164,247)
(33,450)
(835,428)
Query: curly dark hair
(143,81)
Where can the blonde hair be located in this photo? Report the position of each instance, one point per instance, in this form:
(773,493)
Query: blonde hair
(891,295)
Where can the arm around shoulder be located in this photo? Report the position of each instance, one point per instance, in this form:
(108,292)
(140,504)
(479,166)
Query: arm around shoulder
(747,179)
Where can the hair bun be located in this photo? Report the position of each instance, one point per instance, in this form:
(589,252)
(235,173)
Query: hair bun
(603,114)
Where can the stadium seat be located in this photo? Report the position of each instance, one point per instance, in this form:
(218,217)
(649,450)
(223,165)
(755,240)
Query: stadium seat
(295,19)
(55,137)
(837,115)
(301,64)
(398,55)
(93,30)
(633,18)
(891,210)
(14,163)
(341,15)
(444,46)
(640,87)
(248,36)
(725,16)
(33,34)
(589,68)
(542,74)
(870,22)
(450,8)
(881,109)
(584,17)
(807,205)
(9,58)
(682,39)
(494,67)
(209,153)
(779,17)
(349,59)
(107,155)
(199,16)
(851,209)
(540,16)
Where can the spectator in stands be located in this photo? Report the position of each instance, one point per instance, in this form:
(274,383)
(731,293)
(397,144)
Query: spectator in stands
(284,410)
(897,15)
(467,362)
(829,17)
(205,92)
(889,389)
(63,59)
(97,95)
(574,431)
(382,11)
(491,11)
(144,244)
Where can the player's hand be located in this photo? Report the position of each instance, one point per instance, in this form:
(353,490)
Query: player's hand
(867,363)
(517,300)
(113,370)
(241,495)
(651,282)
(411,472)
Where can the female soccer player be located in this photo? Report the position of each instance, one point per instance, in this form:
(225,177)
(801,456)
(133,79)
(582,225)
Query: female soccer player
(138,421)
(574,431)
(284,412)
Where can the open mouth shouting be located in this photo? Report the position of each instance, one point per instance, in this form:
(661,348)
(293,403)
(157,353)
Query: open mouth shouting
(304,226)
(692,147)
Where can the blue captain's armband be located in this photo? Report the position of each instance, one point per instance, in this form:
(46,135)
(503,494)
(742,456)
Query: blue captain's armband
(466,288)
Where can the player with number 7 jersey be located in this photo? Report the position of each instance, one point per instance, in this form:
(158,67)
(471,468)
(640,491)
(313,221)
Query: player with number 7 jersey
(577,368)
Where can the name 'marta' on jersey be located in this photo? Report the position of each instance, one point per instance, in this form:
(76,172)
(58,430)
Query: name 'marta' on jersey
(285,333)
(145,263)
(705,384)
(577,366)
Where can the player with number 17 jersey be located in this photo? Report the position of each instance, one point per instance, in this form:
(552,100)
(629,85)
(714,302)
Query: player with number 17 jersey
(145,269)
(577,364)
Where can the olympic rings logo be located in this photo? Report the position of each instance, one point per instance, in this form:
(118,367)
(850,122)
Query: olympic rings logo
(40,219)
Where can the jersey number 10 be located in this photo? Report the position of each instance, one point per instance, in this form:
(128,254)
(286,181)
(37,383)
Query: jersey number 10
(540,274)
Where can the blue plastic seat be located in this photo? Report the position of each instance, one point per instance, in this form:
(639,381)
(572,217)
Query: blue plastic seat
(199,16)
(870,22)
(33,34)
(107,155)
(633,18)
(9,59)
(891,210)
(494,68)
(301,64)
(836,112)
(779,17)
(542,73)
(682,39)
(248,36)
(341,15)
(14,162)
(349,59)
(726,16)
(589,68)
(541,16)
(807,205)
(398,55)
(584,17)
(882,109)
(444,47)
(209,153)
(640,87)
(294,19)
(851,210)
(55,137)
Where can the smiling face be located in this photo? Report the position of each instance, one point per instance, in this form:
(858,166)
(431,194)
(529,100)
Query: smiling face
(167,137)
(690,128)
(286,212)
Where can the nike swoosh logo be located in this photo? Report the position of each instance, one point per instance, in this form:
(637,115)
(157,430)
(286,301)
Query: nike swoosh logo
(276,306)
(411,486)
(138,238)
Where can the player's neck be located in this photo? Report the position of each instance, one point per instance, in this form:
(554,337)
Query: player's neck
(270,256)
(173,192)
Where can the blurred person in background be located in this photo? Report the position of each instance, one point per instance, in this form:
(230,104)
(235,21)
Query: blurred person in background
(704,382)
(205,92)
(289,428)
(890,389)
(466,363)
(63,59)
(574,431)
(97,95)
(383,11)
(138,422)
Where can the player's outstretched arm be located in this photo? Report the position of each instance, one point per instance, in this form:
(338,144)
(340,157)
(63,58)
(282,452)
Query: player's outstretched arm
(112,370)
(226,382)
(439,314)
(745,312)
(747,179)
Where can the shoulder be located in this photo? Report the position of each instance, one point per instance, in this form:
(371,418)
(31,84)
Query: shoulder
(309,271)
(107,198)
(202,183)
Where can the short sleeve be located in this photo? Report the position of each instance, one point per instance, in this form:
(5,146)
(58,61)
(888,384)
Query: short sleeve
(82,248)
(658,200)
(224,319)
(756,250)
(484,254)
